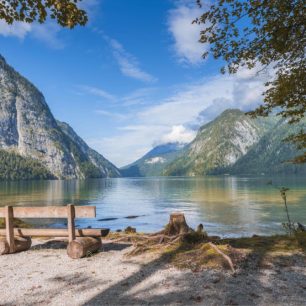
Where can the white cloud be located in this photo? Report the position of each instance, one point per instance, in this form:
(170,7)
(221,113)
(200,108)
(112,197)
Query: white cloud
(139,96)
(46,33)
(130,144)
(174,118)
(113,115)
(128,64)
(97,92)
(18,29)
(180,134)
(185,34)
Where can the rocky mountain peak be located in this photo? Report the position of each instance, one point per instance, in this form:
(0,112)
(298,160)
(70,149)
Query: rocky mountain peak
(28,128)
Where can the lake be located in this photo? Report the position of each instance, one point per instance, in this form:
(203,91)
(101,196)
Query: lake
(227,206)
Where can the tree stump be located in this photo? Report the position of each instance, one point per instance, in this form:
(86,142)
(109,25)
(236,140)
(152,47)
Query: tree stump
(21,244)
(177,225)
(83,246)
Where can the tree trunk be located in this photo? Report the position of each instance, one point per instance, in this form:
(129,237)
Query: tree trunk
(21,244)
(177,225)
(83,246)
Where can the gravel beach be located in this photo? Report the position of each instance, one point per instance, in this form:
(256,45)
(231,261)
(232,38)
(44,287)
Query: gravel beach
(45,275)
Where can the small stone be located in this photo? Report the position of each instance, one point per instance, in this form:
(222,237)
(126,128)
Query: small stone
(207,287)
(216,279)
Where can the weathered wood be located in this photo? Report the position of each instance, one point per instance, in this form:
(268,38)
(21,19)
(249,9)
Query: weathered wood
(51,212)
(227,258)
(70,219)
(4,247)
(84,246)
(9,225)
(57,232)
(177,225)
(20,243)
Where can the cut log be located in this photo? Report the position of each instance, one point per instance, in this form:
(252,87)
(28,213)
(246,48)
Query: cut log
(177,225)
(4,247)
(83,246)
(21,244)
(57,232)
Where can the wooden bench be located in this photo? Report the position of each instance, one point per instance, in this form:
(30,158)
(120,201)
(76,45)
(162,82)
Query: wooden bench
(82,242)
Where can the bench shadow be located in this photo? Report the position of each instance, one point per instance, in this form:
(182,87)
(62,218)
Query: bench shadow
(109,246)
(51,245)
(57,244)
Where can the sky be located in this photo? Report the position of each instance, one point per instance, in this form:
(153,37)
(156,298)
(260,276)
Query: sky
(132,78)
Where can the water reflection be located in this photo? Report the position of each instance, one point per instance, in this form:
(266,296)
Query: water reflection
(226,205)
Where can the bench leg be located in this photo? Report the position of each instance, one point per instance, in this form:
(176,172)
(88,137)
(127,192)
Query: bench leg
(71,225)
(9,223)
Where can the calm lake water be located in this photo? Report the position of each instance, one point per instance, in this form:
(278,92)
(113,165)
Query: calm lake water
(227,206)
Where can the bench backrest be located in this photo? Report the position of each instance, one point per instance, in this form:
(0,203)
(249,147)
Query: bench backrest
(70,212)
(50,212)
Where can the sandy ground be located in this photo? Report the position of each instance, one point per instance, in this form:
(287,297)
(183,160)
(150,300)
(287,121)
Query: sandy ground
(45,275)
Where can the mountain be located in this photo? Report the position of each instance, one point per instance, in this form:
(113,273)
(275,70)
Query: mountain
(83,153)
(271,153)
(219,144)
(154,162)
(34,142)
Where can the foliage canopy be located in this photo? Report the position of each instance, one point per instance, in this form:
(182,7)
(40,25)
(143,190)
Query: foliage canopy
(66,12)
(269,34)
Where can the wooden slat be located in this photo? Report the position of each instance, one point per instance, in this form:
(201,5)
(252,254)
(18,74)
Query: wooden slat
(51,212)
(57,232)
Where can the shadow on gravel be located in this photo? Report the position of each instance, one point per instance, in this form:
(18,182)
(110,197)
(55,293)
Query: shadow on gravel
(62,244)
(257,281)
(51,245)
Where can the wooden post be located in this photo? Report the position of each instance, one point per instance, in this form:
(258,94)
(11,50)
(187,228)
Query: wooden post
(71,225)
(9,224)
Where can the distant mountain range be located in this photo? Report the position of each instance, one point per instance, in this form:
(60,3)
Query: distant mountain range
(154,162)
(233,143)
(33,144)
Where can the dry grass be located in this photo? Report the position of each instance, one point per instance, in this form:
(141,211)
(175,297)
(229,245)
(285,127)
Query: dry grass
(195,254)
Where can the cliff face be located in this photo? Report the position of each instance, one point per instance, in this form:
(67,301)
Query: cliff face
(28,128)
(219,144)
(105,167)
(271,154)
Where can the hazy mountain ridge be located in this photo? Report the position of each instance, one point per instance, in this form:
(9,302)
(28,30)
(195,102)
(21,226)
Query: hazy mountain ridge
(232,143)
(154,162)
(28,129)
(219,143)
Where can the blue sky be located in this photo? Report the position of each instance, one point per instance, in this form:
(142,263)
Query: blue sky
(132,78)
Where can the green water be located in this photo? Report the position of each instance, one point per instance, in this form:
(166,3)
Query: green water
(227,206)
